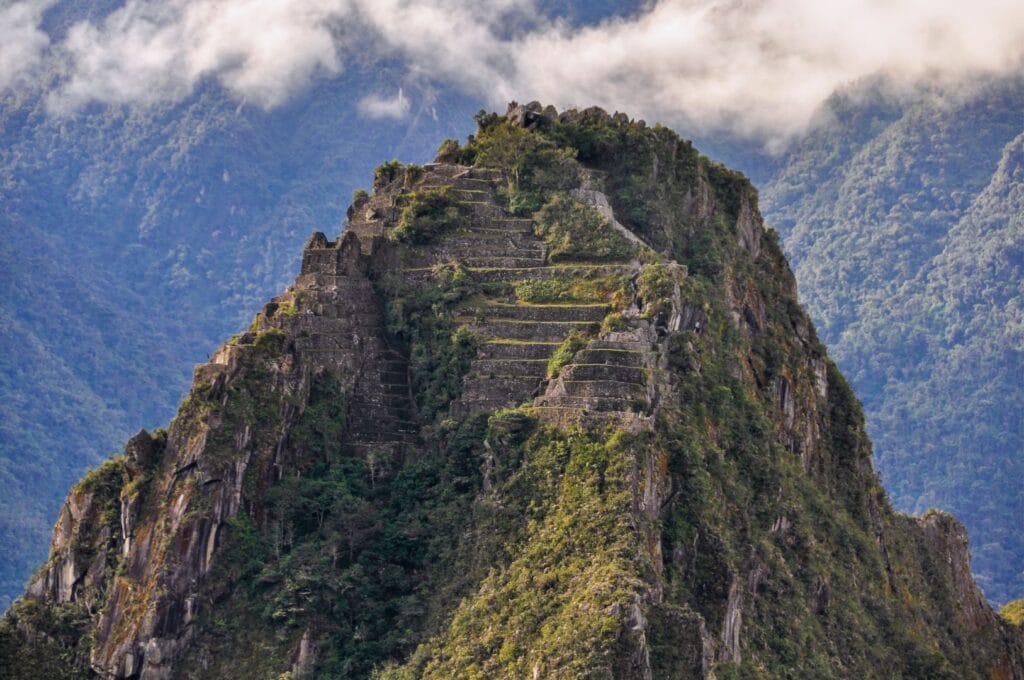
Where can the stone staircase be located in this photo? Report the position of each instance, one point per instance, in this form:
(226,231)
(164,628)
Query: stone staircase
(516,340)
(382,414)
(334,320)
(609,381)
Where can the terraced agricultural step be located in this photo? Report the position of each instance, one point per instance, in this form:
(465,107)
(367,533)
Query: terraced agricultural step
(592,403)
(534,368)
(484,394)
(503,348)
(504,246)
(481,209)
(604,388)
(613,357)
(571,417)
(517,262)
(506,275)
(592,313)
(474,193)
(604,372)
(488,228)
(489,174)
(536,331)
(627,345)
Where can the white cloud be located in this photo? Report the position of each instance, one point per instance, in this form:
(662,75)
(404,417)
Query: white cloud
(150,51)
(22,43)
(758,67)
(377,106)
(763,67)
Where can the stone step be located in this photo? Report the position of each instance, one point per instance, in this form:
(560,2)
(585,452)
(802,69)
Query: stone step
(623,345)
(366,423)
(612,357)
(489,174)
(509,367)
(395,377)
(503,349)
(363,450)
(604,372)
(523,311)
(473,193)
(591,403)
(483,210)
(507,275)
(493,229)
(536,331)
(604,388)
(494,245)
(510,262)
(391,406)
(370,438)
(485,394)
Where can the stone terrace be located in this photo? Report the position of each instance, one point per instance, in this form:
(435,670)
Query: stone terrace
(517,339)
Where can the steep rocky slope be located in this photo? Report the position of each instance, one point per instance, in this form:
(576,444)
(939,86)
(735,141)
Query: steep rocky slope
(547,408)
(903,219)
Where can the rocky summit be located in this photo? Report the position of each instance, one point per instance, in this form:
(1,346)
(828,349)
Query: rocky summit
(547,408)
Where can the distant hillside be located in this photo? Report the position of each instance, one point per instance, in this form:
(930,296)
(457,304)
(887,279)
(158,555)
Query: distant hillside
(903,217)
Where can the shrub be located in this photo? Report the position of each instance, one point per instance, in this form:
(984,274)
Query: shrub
(449,152)
(1013,612)
(574,288)
(385,173)
(614,322)
(574,231)
(413,173)
(655,286)
(573,343)
(428,214)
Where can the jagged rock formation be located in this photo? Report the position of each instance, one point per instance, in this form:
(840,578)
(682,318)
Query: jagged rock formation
(547,408)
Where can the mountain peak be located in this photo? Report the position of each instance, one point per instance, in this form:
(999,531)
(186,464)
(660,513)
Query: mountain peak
(547,407)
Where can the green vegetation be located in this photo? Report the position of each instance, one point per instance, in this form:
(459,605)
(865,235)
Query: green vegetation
(1013,612)
(576,286)
(573,343)
(655,287)
(422,318)
(577,232)
(385,173)
(902,223)
(535,166)
(427,215)
(551,610)
(506,547)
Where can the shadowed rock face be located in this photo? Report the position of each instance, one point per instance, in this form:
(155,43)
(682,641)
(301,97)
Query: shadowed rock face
(437,304)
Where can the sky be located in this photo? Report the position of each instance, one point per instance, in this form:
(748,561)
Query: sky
(753,68)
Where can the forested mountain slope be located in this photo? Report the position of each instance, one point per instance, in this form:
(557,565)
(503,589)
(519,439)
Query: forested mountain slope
(548,407)
(903,217)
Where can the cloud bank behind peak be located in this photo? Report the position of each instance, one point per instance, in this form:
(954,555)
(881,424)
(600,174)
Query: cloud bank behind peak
(757,69)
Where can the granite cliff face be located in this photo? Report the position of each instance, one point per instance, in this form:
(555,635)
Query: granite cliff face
(546,408)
